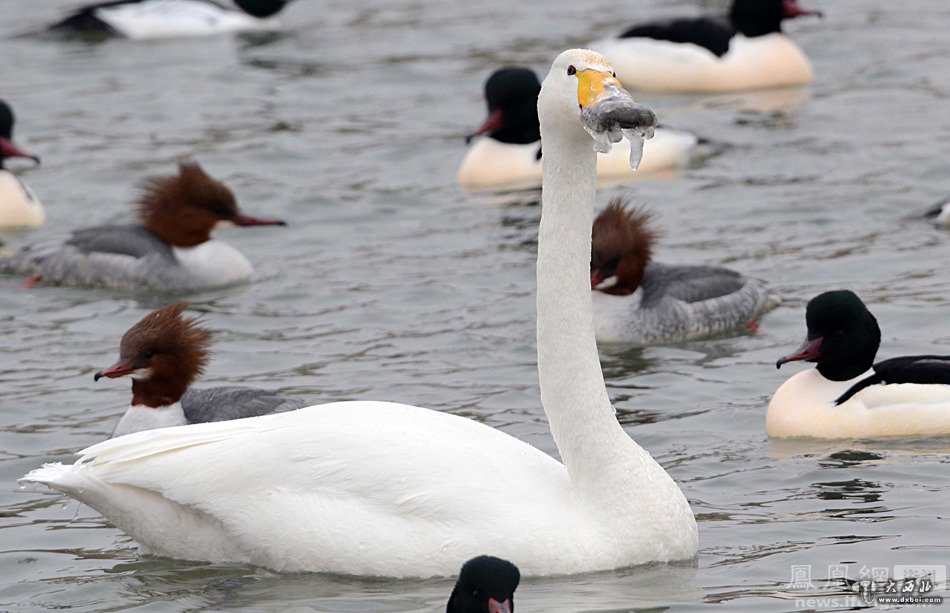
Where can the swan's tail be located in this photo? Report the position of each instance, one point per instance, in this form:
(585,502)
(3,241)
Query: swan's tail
(63,478)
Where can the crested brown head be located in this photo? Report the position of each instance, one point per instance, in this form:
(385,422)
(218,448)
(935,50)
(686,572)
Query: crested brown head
(163,354)
(621,247)
(183,209)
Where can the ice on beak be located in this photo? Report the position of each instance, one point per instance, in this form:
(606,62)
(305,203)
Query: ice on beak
(615,117)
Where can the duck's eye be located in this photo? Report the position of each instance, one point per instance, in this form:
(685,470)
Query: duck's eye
(475,594)
(571,70)
(615,74)
(148,354)
(220,210)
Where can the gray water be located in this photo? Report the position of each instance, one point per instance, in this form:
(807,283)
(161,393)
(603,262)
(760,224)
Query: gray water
(391,283)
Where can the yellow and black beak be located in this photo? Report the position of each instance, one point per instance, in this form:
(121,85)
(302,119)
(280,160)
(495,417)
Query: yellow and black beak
(593,86)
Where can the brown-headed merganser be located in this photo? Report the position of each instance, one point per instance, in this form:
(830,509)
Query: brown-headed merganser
(637,300)
(170,249)
(163,354)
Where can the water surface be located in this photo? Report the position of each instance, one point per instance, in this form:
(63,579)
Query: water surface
(391,283)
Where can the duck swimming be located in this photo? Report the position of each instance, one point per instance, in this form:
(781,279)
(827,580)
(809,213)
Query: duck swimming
(637,300)
(507,154)
(747,50)
(153,19)
(163,354)
(19,206)
(486,584)
(385,489)
(847,395)
(170,249)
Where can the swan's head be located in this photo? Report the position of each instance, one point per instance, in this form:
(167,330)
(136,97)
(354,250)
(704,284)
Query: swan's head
(162,354)
(582,98)
(621,247)
(486,584)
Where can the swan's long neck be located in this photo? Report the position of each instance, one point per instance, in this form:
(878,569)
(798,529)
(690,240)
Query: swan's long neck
(575,400)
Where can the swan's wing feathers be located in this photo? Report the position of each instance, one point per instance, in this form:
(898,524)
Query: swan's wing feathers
(366,454)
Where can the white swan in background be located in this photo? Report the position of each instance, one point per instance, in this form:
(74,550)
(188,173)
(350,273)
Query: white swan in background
(847,394)
(375,488)
(507,153)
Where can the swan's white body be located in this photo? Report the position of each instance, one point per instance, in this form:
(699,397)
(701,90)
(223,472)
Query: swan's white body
(373,488)
(19,206)
(804,407)
(772,60)
(155,19)
(493,165)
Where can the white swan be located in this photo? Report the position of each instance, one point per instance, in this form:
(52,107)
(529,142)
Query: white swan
(374,488)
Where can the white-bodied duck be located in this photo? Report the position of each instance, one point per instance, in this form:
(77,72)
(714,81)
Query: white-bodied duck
(746,50)
(506,153)
(385,489)
(155,19)
(486,584)
(847,395)
(169,250)
(19,206)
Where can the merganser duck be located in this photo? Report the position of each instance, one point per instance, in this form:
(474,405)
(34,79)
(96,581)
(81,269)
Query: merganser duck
(847,395)
(486,584)
(508,154)
(385,489)
(710,54)
(163,354)
(153,19)
(640,301)
(940,213)
(171,249)
(19,207)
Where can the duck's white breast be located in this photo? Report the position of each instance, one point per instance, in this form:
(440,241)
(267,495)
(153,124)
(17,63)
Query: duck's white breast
(19,207)
(492,165)
(214,263)
(773,60)
(154,19)
(804,407)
